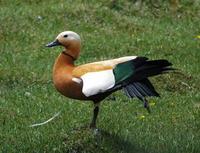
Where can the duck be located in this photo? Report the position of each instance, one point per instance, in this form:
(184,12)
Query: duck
(99,79)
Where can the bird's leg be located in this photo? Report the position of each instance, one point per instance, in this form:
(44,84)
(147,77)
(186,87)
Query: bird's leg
(146,105)
(95,114)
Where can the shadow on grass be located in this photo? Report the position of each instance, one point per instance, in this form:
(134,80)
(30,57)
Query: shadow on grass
(118,144)
(88,141)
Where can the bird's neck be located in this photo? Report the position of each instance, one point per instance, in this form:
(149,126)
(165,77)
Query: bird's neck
(63,61)
(73,50)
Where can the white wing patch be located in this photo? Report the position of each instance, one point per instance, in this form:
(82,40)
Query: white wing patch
(97,82)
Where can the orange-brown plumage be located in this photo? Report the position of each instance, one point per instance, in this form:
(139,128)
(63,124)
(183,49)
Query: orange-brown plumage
(92,67)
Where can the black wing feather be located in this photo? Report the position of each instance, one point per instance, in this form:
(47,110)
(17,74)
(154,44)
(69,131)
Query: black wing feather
(140,89)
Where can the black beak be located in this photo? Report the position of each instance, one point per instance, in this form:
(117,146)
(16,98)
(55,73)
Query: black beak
(54,43)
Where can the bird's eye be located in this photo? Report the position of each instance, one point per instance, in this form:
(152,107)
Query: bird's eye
(65,36)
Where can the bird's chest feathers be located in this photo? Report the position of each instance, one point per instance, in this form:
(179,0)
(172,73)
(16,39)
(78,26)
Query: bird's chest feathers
(63,82)
(62,79)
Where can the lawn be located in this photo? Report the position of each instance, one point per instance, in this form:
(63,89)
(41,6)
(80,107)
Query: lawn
(27,94)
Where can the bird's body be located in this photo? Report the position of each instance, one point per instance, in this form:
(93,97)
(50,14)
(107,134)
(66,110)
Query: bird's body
(67,76)
(95,81)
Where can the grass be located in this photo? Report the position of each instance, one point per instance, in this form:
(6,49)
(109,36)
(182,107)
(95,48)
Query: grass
(27,94)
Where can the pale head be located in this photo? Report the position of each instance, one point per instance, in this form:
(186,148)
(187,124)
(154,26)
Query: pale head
(70,41)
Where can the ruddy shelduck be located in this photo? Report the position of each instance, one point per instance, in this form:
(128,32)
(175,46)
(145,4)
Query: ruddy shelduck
(96,81)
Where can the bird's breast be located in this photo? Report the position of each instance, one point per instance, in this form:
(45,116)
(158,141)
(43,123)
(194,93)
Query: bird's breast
(63,82)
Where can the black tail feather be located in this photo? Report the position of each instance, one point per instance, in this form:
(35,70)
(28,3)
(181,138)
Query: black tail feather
(150,68)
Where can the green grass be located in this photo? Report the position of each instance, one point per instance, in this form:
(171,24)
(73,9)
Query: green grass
(27,94)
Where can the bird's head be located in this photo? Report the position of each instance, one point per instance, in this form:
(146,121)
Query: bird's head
(70,41)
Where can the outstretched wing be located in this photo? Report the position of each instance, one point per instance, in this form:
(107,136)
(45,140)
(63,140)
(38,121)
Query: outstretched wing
(98,77)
